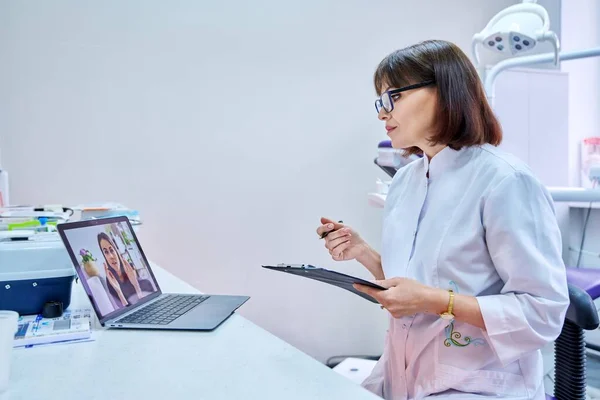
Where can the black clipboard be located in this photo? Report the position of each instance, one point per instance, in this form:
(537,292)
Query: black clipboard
(327,276)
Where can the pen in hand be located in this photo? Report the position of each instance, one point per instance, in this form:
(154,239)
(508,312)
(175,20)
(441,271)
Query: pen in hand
(324,235)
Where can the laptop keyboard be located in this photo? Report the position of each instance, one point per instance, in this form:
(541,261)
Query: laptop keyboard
(165,310)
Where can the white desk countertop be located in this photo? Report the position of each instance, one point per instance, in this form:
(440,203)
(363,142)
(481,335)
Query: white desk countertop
(238,360)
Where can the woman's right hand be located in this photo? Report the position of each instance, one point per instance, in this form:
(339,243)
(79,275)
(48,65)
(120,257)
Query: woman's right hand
(115,284)
(343,242)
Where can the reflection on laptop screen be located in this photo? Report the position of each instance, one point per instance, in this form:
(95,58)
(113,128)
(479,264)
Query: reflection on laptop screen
(110,266)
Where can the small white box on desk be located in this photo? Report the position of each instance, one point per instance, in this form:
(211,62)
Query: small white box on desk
(355,369)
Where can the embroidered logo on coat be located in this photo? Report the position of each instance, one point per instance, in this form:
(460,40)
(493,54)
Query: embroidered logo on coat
(452,336)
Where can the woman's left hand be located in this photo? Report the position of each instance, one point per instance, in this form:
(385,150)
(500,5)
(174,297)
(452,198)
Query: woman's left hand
(404,296)
(132,275)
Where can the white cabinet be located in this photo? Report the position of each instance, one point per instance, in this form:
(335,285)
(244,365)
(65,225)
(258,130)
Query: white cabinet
(532,106)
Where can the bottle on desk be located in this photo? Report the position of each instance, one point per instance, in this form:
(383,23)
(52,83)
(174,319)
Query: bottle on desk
(3,188)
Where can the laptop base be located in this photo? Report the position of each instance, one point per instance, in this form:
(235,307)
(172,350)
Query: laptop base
(205,316)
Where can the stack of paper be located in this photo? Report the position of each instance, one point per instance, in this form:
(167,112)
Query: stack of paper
(72,326)
(109,209)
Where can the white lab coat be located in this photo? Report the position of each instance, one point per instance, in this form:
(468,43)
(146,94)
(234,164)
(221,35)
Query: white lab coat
(483,225)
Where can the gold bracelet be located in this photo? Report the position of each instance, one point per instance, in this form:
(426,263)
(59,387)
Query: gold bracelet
(448,314)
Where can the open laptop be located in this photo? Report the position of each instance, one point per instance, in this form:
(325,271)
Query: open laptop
(121,286)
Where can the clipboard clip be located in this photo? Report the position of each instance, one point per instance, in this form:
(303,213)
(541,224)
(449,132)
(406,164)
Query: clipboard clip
(304,266)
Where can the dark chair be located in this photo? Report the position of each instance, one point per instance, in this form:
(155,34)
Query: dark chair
(589,280)
(569,347)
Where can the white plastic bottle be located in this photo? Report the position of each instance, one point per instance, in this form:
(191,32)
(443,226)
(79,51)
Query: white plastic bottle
(4,200)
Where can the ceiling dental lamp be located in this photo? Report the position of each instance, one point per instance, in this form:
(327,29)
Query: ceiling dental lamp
(516,30)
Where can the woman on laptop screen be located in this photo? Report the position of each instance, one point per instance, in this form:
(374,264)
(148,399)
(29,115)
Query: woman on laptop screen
(124,285)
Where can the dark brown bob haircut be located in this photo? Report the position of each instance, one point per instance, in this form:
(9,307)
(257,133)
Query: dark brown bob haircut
(465,117)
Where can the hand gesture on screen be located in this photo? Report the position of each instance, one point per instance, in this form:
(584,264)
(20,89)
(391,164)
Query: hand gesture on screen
(132,276)
(115,285)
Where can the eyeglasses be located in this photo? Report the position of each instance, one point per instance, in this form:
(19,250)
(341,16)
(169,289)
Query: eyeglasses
(386,100)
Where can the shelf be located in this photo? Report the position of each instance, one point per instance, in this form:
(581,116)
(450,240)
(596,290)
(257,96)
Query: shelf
(595,205)
(376,199)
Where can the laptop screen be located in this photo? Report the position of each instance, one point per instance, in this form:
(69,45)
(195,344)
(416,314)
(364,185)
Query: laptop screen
(110,264)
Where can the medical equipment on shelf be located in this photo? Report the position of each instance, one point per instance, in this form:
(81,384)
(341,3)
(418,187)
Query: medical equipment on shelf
(382,186)
(35,269)
(390,159)
(516,30)
(388,156)
(590,161)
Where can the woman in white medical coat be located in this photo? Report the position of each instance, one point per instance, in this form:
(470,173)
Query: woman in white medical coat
(471,249)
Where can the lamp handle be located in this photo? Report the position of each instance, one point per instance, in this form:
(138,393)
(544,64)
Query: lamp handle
(474,50)
(553,38)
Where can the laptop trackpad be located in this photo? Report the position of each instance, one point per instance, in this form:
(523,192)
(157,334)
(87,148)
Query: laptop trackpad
(208,314)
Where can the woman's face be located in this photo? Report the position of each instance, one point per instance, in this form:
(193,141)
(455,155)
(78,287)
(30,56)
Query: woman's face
(110,253)
(412,120)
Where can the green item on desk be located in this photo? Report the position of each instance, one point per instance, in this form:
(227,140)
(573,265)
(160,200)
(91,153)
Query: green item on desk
(34,223)
(24,225)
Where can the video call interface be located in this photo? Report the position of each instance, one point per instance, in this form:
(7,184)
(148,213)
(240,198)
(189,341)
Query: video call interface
(111,266)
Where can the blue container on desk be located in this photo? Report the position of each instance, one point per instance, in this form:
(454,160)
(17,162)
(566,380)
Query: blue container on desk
(33,273)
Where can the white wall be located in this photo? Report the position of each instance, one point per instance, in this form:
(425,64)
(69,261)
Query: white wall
(231,126)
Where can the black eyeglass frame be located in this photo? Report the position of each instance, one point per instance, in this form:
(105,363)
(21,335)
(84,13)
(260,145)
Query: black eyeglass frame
(379,103)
